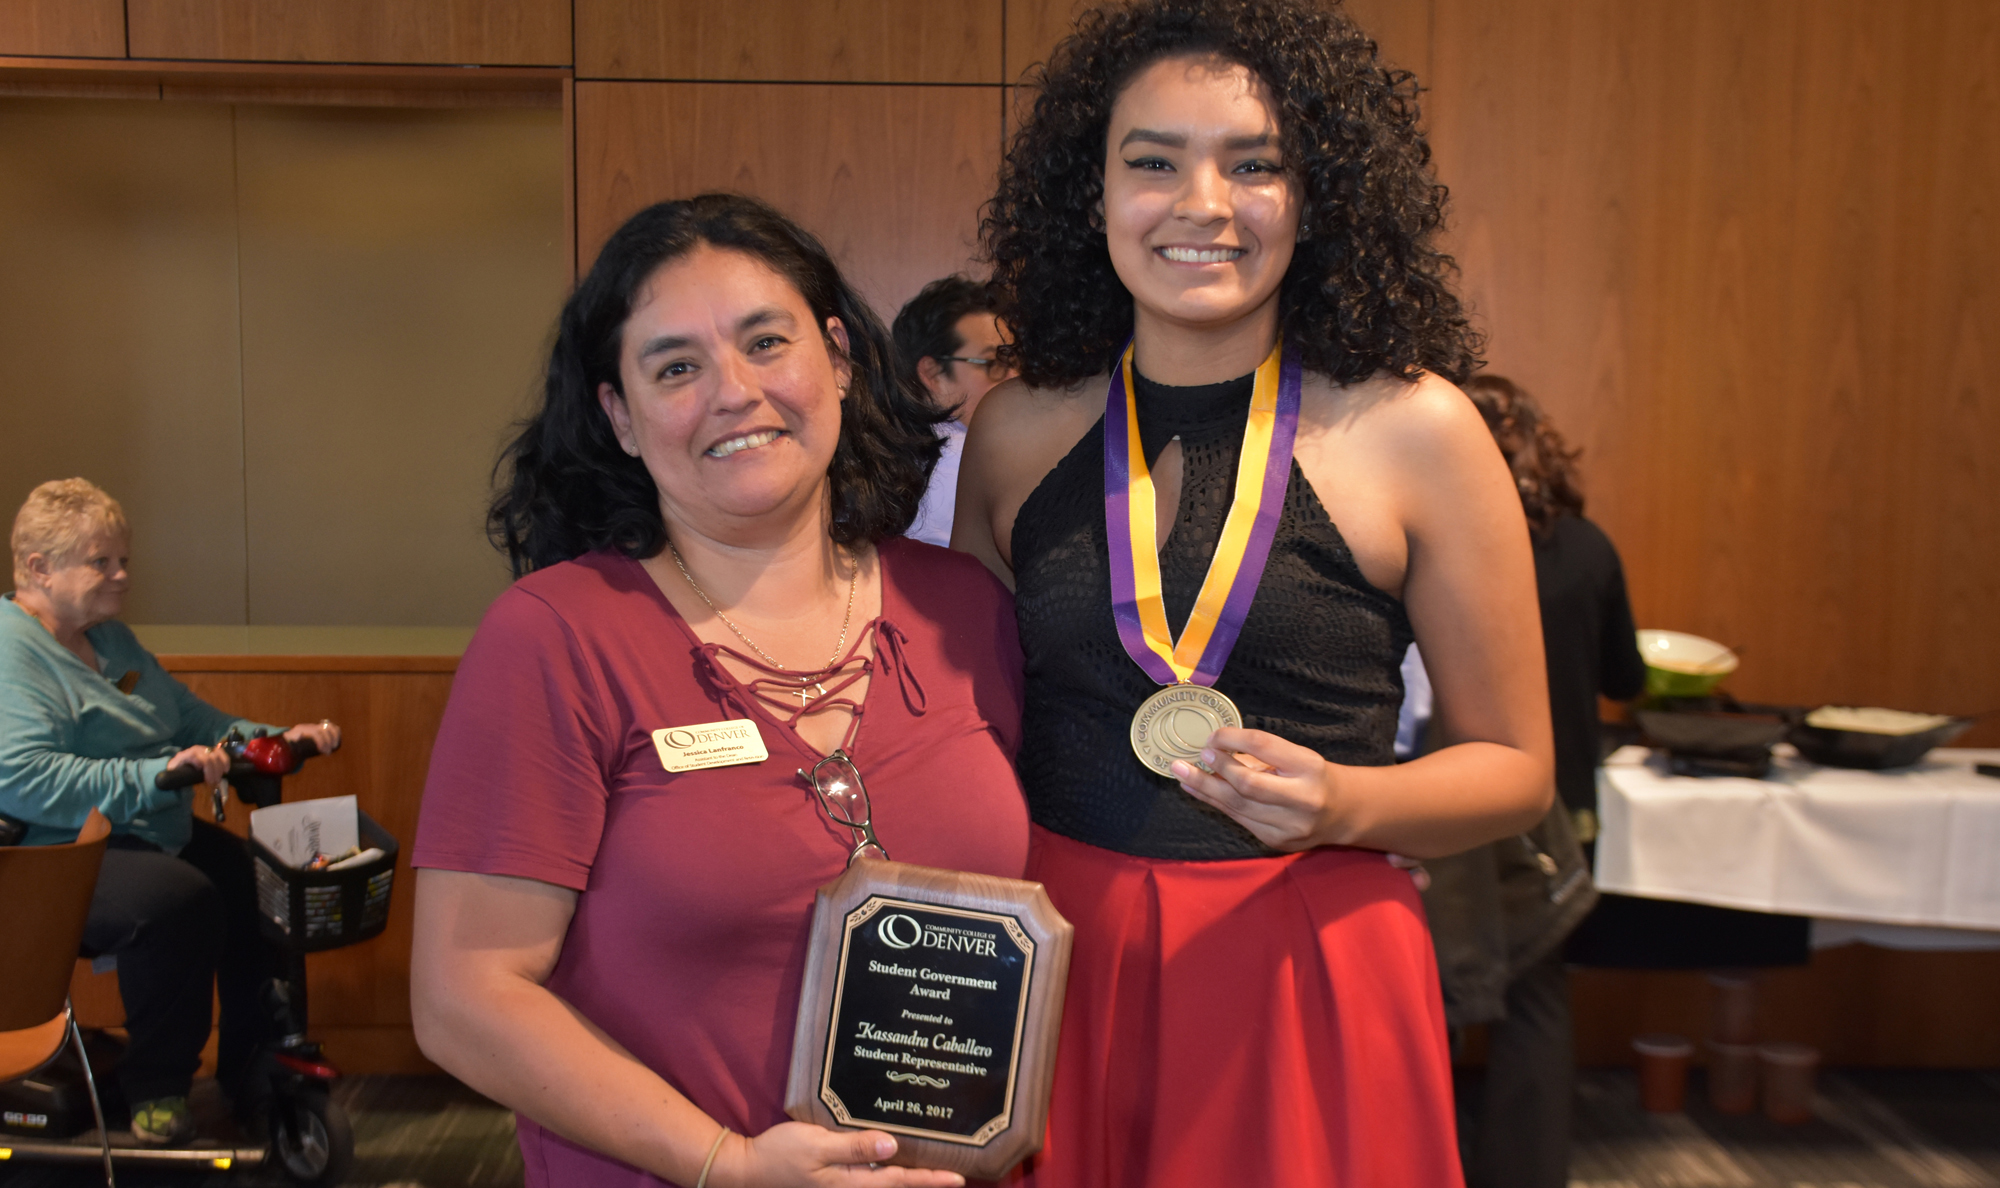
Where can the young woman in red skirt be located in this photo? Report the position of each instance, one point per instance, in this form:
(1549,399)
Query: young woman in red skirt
(1233,482)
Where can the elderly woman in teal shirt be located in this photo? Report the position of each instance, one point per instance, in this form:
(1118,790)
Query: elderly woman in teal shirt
(88,719)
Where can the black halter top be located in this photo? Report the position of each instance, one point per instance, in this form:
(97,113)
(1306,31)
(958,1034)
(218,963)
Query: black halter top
(1318,662)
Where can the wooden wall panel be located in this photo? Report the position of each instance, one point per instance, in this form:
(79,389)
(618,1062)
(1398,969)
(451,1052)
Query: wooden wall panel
(119,350)
(890,177)
(925,41)
(38,84)
(1401,28)
(415,258)
(485,32)
(269,83)
(1033,29)
(1745,254)
(63,28)
(358,298)
(1859,1005)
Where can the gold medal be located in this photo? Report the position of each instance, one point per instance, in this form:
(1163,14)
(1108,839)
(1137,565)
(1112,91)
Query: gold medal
(1175,724)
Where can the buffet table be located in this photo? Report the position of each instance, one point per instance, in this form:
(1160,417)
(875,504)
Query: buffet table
(1915,848)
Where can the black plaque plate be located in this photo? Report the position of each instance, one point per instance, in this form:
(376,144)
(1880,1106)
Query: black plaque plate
(928,1008)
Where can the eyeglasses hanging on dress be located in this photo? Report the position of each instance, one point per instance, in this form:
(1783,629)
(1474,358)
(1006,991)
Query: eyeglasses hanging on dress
(844,799)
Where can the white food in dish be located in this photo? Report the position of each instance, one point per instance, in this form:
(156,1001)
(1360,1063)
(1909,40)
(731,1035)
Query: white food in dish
(1874,720)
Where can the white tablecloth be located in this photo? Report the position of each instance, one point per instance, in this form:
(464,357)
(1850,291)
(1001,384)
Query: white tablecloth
(1914,846)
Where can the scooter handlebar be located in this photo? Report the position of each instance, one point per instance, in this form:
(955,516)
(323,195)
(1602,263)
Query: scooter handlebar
(187,775)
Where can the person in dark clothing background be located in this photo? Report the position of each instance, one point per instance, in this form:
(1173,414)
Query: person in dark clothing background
(1499,914)
(1587,626)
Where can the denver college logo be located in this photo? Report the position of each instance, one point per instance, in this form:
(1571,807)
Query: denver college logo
(899,931)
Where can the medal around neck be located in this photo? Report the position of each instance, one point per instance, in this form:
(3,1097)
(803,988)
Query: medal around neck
(1176,722)
(931,1007)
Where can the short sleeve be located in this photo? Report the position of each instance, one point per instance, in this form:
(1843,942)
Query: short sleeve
(518,779)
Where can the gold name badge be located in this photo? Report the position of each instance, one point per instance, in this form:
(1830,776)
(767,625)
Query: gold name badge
(713,744)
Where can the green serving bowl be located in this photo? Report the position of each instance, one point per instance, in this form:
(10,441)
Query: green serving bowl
(1683,665)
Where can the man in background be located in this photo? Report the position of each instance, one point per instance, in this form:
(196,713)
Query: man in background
(949,336)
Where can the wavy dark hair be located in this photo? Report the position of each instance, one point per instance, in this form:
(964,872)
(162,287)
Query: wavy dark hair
(566,488)
(1366,290)
(1543,464)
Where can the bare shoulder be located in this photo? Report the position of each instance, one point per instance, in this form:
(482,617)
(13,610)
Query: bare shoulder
(1392,460)
(1015,409)
(1016,438)
(1411,435)
(1425,418)
(1020,433)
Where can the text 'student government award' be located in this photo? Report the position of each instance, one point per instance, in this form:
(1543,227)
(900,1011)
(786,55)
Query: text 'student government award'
(1175,722)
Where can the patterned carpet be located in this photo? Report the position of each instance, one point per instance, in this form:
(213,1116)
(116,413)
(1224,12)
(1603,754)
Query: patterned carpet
(1873,1129)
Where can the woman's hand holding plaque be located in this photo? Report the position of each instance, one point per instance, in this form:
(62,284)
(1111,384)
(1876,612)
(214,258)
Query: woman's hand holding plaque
(797,1153)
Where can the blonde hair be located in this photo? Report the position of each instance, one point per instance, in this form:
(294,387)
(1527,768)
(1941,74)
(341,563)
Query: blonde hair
(58,520)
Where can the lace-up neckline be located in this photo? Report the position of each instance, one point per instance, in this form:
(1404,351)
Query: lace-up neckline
(775,690)
(769,693)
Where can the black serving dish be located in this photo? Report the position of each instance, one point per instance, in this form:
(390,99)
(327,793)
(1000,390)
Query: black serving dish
(1755,767)
(1867,749)
(1703,742)
(1713,735)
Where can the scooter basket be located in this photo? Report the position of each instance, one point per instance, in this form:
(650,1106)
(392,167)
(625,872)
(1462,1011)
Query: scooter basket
(309,910)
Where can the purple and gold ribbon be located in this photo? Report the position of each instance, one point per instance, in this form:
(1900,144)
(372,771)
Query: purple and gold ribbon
(1238,564)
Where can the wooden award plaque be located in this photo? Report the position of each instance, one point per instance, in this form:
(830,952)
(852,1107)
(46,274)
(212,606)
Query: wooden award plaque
(931,1007)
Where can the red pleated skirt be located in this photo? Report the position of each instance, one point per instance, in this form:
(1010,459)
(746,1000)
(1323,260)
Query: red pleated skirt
(1265,1021)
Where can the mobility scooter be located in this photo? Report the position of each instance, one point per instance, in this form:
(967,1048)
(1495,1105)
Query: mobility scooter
(52,1116)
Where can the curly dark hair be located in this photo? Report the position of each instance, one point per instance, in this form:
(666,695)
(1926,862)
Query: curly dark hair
(1366,290)
(1543,464)
(566,488)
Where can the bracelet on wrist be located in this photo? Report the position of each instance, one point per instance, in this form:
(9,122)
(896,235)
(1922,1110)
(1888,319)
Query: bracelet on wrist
(708,1164)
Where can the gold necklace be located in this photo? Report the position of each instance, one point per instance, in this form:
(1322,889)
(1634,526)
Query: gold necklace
(805,683)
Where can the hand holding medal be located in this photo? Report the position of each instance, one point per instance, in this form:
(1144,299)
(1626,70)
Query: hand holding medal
(1278,790)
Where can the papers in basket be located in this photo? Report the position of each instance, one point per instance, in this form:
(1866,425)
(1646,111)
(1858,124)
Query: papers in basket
(305,829)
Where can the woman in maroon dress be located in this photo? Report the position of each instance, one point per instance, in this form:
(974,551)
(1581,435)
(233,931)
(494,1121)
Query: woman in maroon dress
(1279,460)
(612,920)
